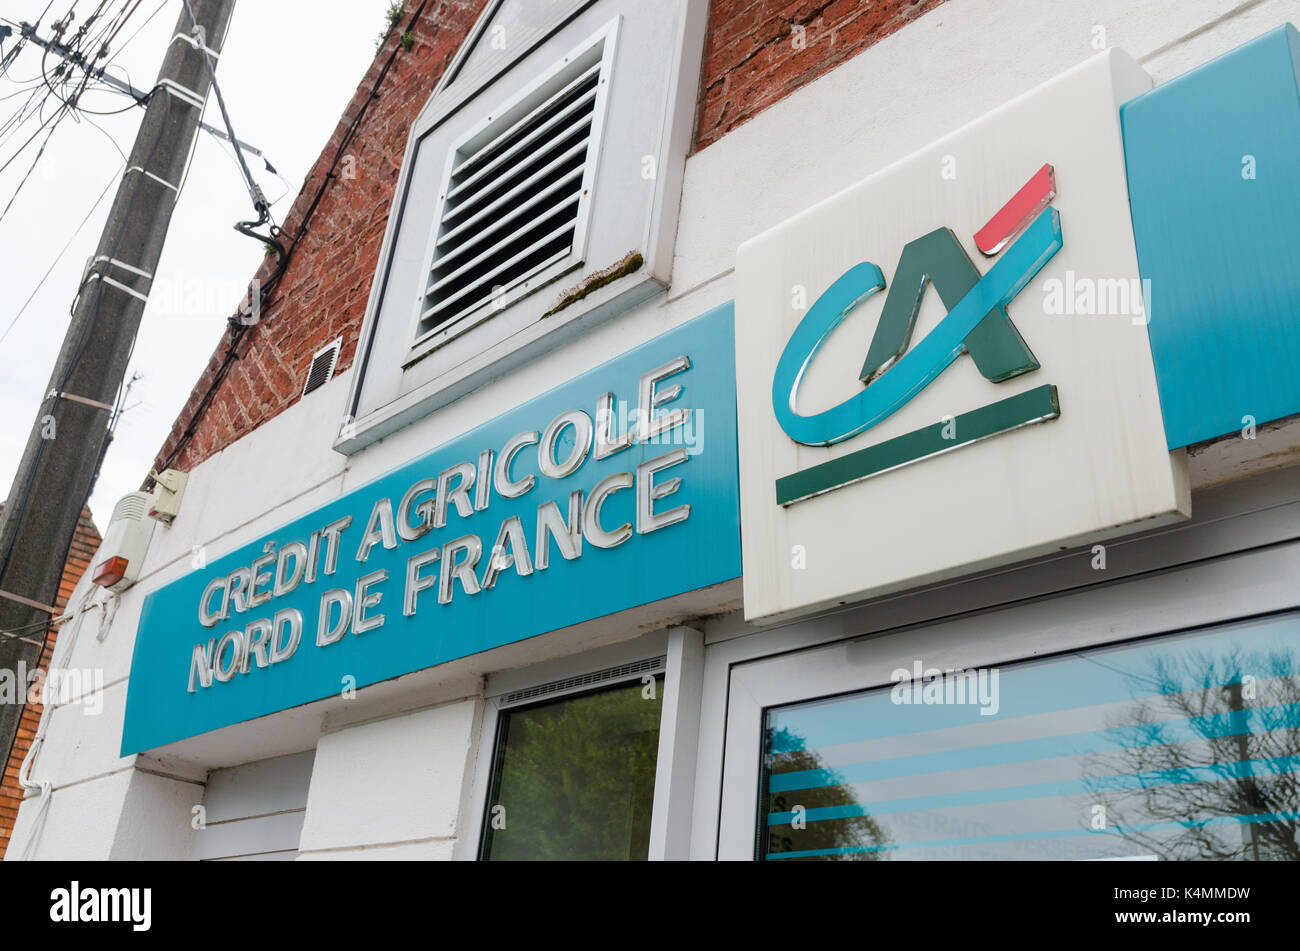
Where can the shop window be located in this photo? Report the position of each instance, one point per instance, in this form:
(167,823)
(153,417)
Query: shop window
(538,196)
(573,777)
(1179,747)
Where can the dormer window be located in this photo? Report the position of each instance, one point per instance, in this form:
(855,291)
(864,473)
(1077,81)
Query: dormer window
(538,197)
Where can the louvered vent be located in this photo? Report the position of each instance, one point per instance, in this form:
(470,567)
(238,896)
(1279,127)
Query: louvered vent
(516,194)
(322,366)
(132,507)
(652,665)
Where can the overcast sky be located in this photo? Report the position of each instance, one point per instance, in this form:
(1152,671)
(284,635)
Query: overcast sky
(288,69)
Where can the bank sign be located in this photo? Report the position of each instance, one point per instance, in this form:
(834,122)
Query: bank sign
(612,491)
(947,366)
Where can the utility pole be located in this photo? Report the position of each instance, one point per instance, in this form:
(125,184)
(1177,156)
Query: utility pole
(71,432)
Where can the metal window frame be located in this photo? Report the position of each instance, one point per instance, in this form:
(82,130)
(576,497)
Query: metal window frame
(425,342)
(678,653)
(1234,559)
(1238,558)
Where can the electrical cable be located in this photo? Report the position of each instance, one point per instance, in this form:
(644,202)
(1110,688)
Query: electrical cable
(50,270)
(87,327)
(67,644)
(111,140)
(22,630)
(115,26)
(35,84)
(74,56)
(260,204)
(45,11)
(138,31)
(8,58)
(35,161)
(25,112)
(72,365)
(101,84)
(29,141)
(237,329)
(59,115)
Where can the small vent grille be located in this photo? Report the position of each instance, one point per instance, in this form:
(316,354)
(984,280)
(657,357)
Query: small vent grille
(652,665)
(514,195)
(322,366)
(132,507)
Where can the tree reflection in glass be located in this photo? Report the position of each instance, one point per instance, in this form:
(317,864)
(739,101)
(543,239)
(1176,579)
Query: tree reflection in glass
(848,838)
(574,778)
(1212,760)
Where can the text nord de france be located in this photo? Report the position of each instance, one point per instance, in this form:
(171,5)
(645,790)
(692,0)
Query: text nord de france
(466,487)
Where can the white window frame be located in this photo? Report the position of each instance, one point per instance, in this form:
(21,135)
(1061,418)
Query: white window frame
(390,387)
(424,343)
(682,650)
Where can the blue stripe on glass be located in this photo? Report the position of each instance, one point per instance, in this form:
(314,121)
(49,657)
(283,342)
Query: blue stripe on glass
(1277,765)
(1055,834)
(1135,736)
(1051,685)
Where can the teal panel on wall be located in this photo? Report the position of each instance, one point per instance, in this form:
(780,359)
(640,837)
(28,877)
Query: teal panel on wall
(656,559)
(1214,183)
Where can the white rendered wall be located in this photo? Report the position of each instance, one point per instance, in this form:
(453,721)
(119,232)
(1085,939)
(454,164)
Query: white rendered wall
(254,812)
(950,66)
(392,788)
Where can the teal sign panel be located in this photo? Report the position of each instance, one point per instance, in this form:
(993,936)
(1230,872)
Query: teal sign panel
(614,490)
(1214,184)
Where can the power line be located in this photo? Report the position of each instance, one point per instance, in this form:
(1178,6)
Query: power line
(8,58)
(86,328)
(73,51)
(260,204)
(26,88)
(237,329)
(56,261)
(58,117)
(94,351)
(140,98)
(112,141)
(68,102)
(139,29)
(29,141)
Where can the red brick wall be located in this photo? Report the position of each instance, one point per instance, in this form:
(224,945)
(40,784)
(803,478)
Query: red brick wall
(750,62)
(84,545)
(323,293)
(754,55)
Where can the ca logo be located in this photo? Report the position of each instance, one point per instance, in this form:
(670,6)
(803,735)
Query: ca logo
(895,371)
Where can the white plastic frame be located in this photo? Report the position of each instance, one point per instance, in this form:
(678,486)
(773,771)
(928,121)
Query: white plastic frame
(683,649)
(1239,556)
(428,341)
(373,420)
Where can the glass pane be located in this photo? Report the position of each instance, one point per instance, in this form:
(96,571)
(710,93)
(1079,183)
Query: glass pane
(1176,747)
(574,778)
